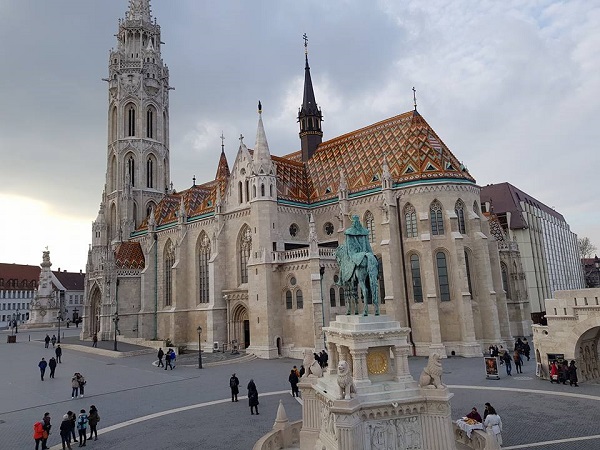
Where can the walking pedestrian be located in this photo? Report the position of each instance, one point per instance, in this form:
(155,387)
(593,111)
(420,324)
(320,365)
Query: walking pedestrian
(73,418)
(297,371)
(518,361)
(82,384)
(554,373)
(38,433)
(493,425)
(573,374)
(564,372)
(301,371)
(160,357)
(506,357)
(526,348)
(42,365)
(82,423)
(74,386)
(47,340)
(173,358)
(168,359)
(65,432)
(234,384)
(53,340)
(95,340)
(46,433)
(52,365)
(93,419)
(58,352)
(293,379)
(253,397)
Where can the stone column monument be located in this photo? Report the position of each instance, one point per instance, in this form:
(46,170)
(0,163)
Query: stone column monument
(45,306)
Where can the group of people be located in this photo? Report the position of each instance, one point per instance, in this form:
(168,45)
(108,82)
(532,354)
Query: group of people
(234,384)
(322,358)
(563,372)
(507,358)
(49,339)
(170,358)
(70,422)
(51,364)
(77,385)
(491,421)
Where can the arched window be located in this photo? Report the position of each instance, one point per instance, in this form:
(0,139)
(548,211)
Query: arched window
(165,126)
(381,284)
(245,245)
(370,225)
(475,207)
(150,122)
(169,259)
(262,190)
(203,258)
(342,297)
(271,190)
(468,270)
(130,119)
(459,209)
(150,172)
(288,300)
(113,174)
(248,191)
(415,271)
(437,219)
(332,297)
(410,219)
(253,191)
(442,273)
(299,300)
(149,208)
(113,123)
(240,199)
(504,270)
(131,169)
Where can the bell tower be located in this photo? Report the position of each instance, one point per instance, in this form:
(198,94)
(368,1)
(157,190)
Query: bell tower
(137,174)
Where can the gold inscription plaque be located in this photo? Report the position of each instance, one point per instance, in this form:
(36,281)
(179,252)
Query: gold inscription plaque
(377,362)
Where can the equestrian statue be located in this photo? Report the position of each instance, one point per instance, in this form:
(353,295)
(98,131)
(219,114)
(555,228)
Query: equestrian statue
(359,268)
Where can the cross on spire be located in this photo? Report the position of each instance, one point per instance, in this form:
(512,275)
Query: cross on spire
(194,180)
(305,37)
(241,138)
(222,142)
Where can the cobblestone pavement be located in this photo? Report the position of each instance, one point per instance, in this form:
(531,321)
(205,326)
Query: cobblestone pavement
(126,389)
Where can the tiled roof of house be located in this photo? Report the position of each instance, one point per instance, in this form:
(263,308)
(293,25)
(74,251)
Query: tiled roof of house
(19,276)
(129,255)
(72,281)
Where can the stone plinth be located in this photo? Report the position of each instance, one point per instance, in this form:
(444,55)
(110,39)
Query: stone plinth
(388,409)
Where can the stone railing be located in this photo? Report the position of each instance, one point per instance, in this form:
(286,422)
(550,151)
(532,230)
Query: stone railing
(300,254)
(287,438)
(479,440)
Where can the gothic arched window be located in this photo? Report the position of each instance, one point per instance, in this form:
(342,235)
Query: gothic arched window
(150,122)
(370,225)
(381,284)
(240,199)
(113,174)
(150,207)
(130,119)
(169,259)
(442,273)
(468,270)
(203,258)
(415,271)
(410,219)
(459,209)
(245,245)
(436,217)
(113,123)
(150,176)
(288,300)
(131,169)
(504,271)
(332,297)
(262,190)
(299,299)
(342,297)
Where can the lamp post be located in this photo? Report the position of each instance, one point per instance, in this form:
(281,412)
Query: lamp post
(321,273)
(17,321)
(116,321)
(59,318)
(199,348)
(597,265)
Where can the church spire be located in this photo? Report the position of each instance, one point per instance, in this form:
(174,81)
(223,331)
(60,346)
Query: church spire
(309,116)
(262,156)
(139,10)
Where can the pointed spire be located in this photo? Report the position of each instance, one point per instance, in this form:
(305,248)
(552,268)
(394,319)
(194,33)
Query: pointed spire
(139,10)
(281,420)
(262,156)
(309,116)
(223,167)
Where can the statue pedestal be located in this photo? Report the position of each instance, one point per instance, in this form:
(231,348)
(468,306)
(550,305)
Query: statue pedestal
(388,409)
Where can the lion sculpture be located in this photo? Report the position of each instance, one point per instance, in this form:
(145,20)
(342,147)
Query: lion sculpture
(311,366)
(345,382)
(431,377)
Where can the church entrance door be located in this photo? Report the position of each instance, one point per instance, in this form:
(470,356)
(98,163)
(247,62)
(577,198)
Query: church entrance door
(246,333)
(240,325)
(94,312)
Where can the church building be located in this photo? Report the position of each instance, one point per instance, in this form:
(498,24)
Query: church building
(249,256)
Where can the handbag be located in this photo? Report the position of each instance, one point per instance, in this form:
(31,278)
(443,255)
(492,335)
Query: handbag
(45,434)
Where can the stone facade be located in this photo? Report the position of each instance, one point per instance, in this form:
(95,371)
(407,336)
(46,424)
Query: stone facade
(573,330)
(250,255)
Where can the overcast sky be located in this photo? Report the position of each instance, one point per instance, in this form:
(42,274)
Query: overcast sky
(512,87)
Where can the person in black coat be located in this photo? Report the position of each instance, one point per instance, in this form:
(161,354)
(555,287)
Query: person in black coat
(293,379)
(252,397)
(52,365)
(58,352)
(234,384)
(573,374)
(65,431)
(160,355)
(42,365)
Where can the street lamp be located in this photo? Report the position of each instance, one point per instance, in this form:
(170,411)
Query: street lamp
(199,348)
(322,272)
(17,321)
(59,318)
(597,265)
(116,322)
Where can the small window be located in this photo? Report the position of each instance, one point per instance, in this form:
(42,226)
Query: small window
(459,209)
(436,218)
(293,230)
(299,300)
(332,297)
(328,228)
(288,300)
(293,281)
(342,297)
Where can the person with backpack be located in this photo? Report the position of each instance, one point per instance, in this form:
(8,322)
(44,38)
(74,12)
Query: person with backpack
(93,419)
(160,357)
(65,432)
(42,365)
(234,383)
(82,423)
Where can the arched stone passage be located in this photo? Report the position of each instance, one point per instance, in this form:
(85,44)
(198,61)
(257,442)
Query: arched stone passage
(94,312)
(240,325)
(586,354)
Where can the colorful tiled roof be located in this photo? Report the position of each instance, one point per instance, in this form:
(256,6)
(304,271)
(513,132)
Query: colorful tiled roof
(129,255)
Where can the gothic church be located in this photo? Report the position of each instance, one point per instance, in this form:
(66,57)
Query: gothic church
(250,255)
